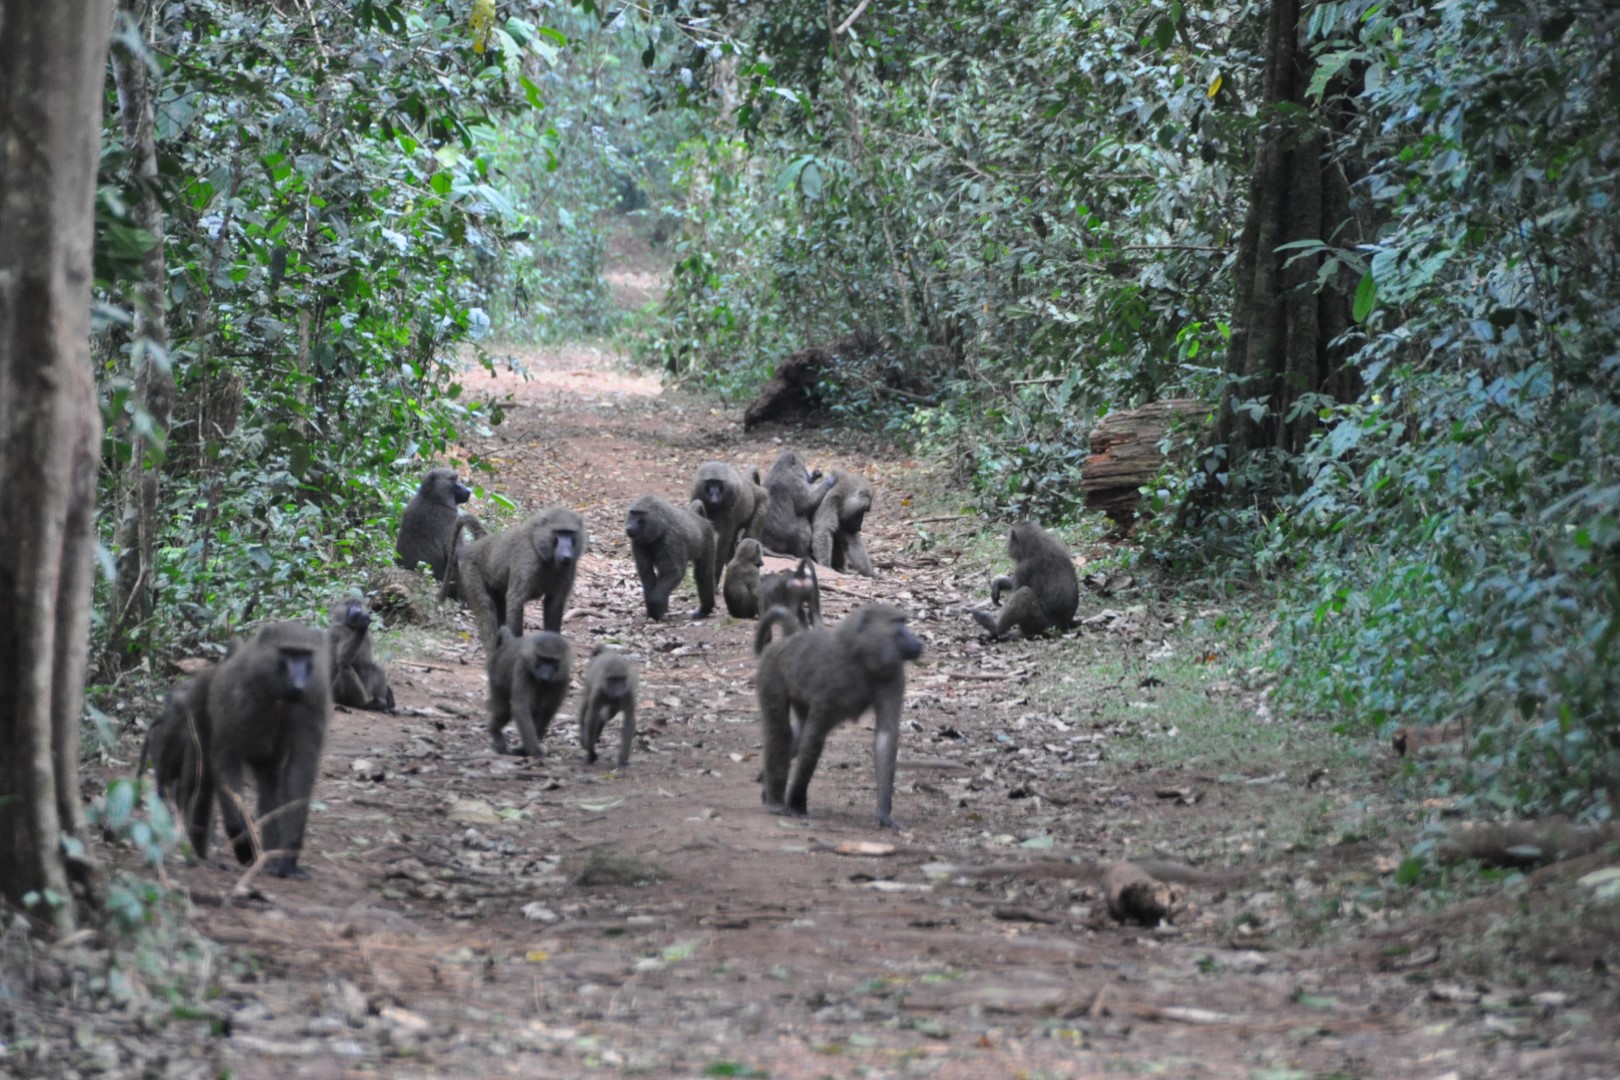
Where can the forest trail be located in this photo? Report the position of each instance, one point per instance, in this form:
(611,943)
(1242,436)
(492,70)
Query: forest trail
(469,914)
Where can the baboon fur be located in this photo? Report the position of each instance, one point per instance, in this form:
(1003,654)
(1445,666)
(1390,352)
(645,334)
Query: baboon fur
(794,493)
(664,540)
(609,690)
(836,529)
(268,704)
(798,590)
(465,524)
(731,504)
(358,681)
(427,527)
(1045,588)
(175,745)
(528,679)
(742,580)
(534,560)
(811,681)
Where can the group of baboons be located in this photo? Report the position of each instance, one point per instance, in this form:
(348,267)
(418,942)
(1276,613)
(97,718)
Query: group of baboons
(264,709)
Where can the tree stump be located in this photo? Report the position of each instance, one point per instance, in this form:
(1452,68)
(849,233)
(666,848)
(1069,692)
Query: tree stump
(1125,454)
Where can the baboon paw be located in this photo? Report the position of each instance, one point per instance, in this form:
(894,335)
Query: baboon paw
(287,868)
(890,823)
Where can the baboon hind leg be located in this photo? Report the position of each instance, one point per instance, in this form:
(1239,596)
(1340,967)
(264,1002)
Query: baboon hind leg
(627,731)
(1023,609)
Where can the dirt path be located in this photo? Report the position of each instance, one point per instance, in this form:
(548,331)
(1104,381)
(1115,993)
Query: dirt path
(476,915)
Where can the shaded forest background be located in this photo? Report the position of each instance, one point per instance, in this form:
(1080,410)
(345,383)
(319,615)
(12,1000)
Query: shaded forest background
(1379,243)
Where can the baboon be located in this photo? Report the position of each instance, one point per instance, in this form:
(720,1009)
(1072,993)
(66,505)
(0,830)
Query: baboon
(466,523)
(176,744)
(730,503)
(813,680)
(358,681)
(794,494)
(836,529)
(528,679)
(742,580)
(1045,589)
(267,708)
(609,690)
(427,527)
(797,590)
(663,539)
(537,558)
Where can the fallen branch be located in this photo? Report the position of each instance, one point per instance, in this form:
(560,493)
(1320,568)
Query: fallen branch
(1526,843)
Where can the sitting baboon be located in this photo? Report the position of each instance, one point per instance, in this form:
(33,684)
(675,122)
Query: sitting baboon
(176,744)
(794,493)
(798,590)
(609,690)
(1045,588)
(664,538)
(267,708)
(537,558)
(358,681)
(730,503)
(742,580)
(813,680)
(427,527)
(528,679)
(836,529)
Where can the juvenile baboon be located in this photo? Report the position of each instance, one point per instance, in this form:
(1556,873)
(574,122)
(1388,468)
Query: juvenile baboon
(798,590)
(427,527)
(358,681)
(176,744)
(664,538)
(730,503)
(465,524)
(528,679)
(794,493)
(813,680)
(836,529)
(1045,589)
(537,558)
(609,690)
(742,580)
(267,708)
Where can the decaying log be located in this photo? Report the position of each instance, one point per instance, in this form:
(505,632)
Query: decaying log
(1125,454)
(864,360)
(1134,895)
(1521,844)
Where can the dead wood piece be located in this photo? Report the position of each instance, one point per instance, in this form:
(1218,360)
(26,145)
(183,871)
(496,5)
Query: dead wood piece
(1125,454)
(793,391)
(1520,844)
(1134,895)
(1011,913)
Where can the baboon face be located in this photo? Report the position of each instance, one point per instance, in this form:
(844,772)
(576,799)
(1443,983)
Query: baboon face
(1023,539)
(616,685)
(749,551)
(444,487)
(544,656)
(297,668)
(560,546)
(714,494)
(891,640)
(641,526)
(355,615)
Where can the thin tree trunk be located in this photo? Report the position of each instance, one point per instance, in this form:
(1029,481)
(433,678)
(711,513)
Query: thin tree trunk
(135,536)
(52,65)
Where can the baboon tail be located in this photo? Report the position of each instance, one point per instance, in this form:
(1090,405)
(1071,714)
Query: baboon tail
(777,614)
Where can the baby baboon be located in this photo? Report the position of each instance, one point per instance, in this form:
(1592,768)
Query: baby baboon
(267,709)
(528,679)
(664,538)
(1045,589)
(176,744)
(610,688)
(836,529)
(730,505)
(427,527)
(538,558)
(797,590)
(466,523)
(794,494)
(742,580)
(358,681)
(822,677)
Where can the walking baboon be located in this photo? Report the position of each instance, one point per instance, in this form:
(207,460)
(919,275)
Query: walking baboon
(358,681)
(798,590)
(813,680)
(1045,588)
(528,679)
(609,690)
(742,580)
(537,558)
(267,709)
(664,538)
(836,529)
(730,503)
(176,744)
(794,493)
(427,527)
(466,523)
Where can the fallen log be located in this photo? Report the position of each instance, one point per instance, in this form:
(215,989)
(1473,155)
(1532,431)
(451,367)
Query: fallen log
(1134,895)
(1521,844)
(1125,454)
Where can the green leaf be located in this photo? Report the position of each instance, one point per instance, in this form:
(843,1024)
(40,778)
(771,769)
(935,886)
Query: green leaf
(1366,297)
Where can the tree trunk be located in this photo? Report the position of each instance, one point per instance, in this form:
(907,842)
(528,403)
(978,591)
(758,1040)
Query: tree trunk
(1282,324)
(135,536)
(52,67)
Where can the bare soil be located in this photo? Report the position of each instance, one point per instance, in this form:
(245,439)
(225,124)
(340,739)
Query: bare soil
(474,915)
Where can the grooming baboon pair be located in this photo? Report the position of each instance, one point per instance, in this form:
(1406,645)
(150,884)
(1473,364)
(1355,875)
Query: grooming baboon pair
(528,680)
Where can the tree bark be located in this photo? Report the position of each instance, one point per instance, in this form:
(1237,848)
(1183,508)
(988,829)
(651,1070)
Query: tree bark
(135,537)
(52,67)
